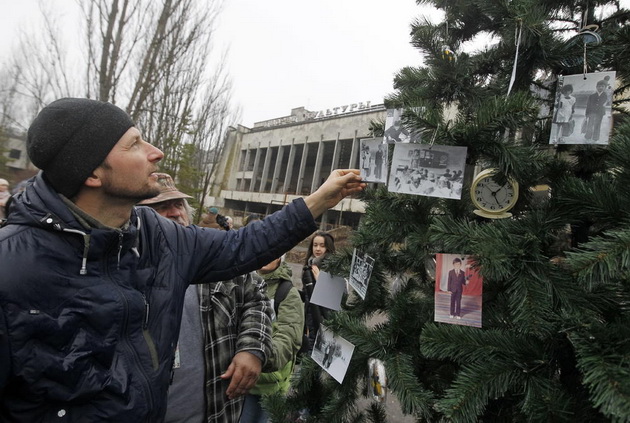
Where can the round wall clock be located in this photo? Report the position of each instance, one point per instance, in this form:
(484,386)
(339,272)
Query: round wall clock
(491,199)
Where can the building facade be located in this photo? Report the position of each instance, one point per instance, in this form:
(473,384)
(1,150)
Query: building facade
(18,165)
(264,167)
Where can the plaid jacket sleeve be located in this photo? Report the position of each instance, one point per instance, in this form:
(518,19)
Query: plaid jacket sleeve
(254,327)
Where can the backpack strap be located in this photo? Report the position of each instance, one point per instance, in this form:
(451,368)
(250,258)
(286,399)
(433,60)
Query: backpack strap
(281,293)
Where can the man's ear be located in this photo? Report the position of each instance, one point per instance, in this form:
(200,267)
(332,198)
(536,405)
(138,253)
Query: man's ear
(94,180)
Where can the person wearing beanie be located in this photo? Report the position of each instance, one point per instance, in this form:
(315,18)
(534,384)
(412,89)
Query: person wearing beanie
(209,220)
(196,395)
(91,302)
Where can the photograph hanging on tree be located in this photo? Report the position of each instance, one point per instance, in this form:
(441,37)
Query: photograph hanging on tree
(582,111)
(332,353)
(458,290)
(360,272)
(374,160)
(328,291)
(394,131)
(436,171)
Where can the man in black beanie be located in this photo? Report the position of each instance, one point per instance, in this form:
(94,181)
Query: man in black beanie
(91,299)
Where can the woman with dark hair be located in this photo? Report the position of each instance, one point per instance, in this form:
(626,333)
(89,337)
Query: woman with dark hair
(322,244)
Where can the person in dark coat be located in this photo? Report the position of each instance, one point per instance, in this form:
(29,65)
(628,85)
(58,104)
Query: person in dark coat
(322,245)
(456,282)
(91,302)
(595,111)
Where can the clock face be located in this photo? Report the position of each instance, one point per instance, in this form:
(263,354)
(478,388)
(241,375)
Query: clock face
(492,197)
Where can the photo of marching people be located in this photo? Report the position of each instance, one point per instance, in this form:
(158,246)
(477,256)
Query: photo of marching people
(374,160)
(583,109)
(332,353)
(395,132)
(436,171)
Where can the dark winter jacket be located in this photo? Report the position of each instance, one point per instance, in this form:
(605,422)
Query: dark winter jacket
(89,317)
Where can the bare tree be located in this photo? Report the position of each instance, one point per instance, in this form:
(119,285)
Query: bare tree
(151,57)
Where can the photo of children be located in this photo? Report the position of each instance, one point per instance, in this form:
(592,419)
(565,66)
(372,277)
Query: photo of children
(583,109)
(374,160)
(458,290)
(436,171)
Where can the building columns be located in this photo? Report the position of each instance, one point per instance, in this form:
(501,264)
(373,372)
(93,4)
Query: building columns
(289,173)
(318,164)
(276,171)
(300,183)
(252,187)
(265,171)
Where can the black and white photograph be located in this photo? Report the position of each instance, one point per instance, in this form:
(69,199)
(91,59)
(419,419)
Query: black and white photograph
(395,132)
(432,171)
(360,272)
(458,290)
(583,109)
(328,291)
(377,380)
(374,160)
(332,353)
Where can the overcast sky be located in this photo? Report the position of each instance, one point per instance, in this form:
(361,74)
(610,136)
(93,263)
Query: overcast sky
(290,53)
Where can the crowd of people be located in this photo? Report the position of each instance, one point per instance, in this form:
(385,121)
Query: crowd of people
(114,302)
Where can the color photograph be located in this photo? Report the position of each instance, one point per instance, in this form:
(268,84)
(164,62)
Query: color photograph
(458,290)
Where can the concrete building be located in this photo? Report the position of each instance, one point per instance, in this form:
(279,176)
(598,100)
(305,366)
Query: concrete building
(18,165)
(264,167)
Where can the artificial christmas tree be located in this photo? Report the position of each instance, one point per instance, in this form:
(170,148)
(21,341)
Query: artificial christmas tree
(555,340)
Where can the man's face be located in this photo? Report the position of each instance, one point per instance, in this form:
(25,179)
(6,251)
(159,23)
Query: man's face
(4,188)
(128,171)
(457,265)
(600,88)
(174,210)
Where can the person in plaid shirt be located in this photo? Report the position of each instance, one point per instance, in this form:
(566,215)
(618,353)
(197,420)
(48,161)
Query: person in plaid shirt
(225,325)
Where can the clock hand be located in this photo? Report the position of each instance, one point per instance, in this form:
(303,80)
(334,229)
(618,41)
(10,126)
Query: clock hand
(494,195)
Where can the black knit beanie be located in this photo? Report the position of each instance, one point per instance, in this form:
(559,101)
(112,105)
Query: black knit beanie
(71,137)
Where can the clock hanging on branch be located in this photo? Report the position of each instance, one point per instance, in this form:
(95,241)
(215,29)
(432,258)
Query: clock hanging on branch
(493,200)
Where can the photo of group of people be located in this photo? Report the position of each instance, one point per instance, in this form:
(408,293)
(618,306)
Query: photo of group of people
(360,272)
(332,353)
(436,171)
(458,290)
(583,109)
(373,160)
(394,131)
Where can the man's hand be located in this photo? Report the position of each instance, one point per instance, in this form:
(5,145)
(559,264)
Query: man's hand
(340,184)
(244,371)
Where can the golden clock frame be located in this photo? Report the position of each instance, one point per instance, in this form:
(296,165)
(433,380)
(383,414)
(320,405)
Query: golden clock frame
(485,212)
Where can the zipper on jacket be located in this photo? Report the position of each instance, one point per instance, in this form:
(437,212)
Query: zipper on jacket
(120,246)
(125,338)
(147,308)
